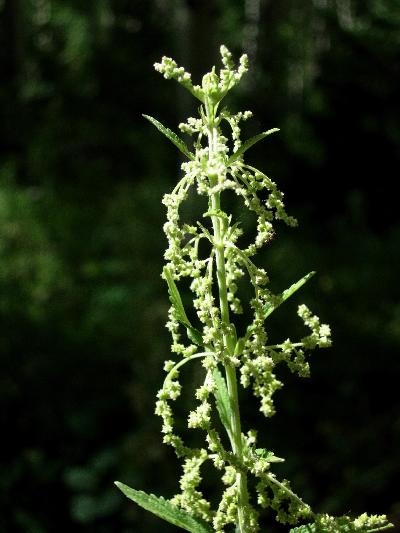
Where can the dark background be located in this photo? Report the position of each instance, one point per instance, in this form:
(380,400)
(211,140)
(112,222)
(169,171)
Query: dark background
(82,305)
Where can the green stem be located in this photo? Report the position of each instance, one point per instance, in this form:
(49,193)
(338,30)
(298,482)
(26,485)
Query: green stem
(236,433)
(184,361)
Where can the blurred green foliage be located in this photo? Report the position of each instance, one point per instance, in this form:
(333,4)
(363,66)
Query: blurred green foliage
(82,305)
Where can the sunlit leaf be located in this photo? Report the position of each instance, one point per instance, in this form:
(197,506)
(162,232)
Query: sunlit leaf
(269,308)
(222,399)
(249,143)
(173,137)
(165,510)
(176,300)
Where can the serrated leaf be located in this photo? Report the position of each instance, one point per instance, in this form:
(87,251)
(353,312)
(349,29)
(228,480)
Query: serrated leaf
(217,213)
(222,399)
(269,456)
(239,346)
(269,308)
(176,300)
(165,510)
(173,137)
(206,232)
(249,143)
(195,336)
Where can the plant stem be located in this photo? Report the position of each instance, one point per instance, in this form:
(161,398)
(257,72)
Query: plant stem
(230,371)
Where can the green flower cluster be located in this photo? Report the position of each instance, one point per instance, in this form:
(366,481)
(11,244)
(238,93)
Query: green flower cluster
(344,524)
(213,170)
(209,252)
(214,87)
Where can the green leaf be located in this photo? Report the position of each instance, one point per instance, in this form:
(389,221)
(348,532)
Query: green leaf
(165,510)
(176,300)
(239,346)
(269,308)
(173,137)
(233,335)
(249,143)
(222,399)
(206,232)
(217,213)
(269,456)
(195,336)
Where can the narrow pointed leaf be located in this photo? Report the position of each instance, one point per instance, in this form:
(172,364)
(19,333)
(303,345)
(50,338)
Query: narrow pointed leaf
(173,137)
(165,510)
(206,232)
(176,300)
(270,456)
(222,399)
(249,143)
(269,308)
(195,336)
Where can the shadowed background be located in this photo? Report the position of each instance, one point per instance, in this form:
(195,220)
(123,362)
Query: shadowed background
(82,305)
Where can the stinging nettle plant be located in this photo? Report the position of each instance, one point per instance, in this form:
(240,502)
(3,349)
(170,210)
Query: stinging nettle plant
(226,359)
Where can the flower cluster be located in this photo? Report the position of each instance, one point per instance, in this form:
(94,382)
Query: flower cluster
(213,87)
(207,332)
(330,524)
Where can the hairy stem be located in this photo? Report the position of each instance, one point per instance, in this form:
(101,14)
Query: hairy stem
(230,371)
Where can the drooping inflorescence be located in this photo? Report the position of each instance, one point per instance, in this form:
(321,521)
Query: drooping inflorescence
(210,337)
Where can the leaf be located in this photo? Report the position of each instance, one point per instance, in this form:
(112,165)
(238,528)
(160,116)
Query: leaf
(233,334)
(239,346)
(269,308)
(269,456)
(195,336)
(222,399)
(249,143)
(206,232)
(176,300)
(173,137)
(216,213)
(165,510)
